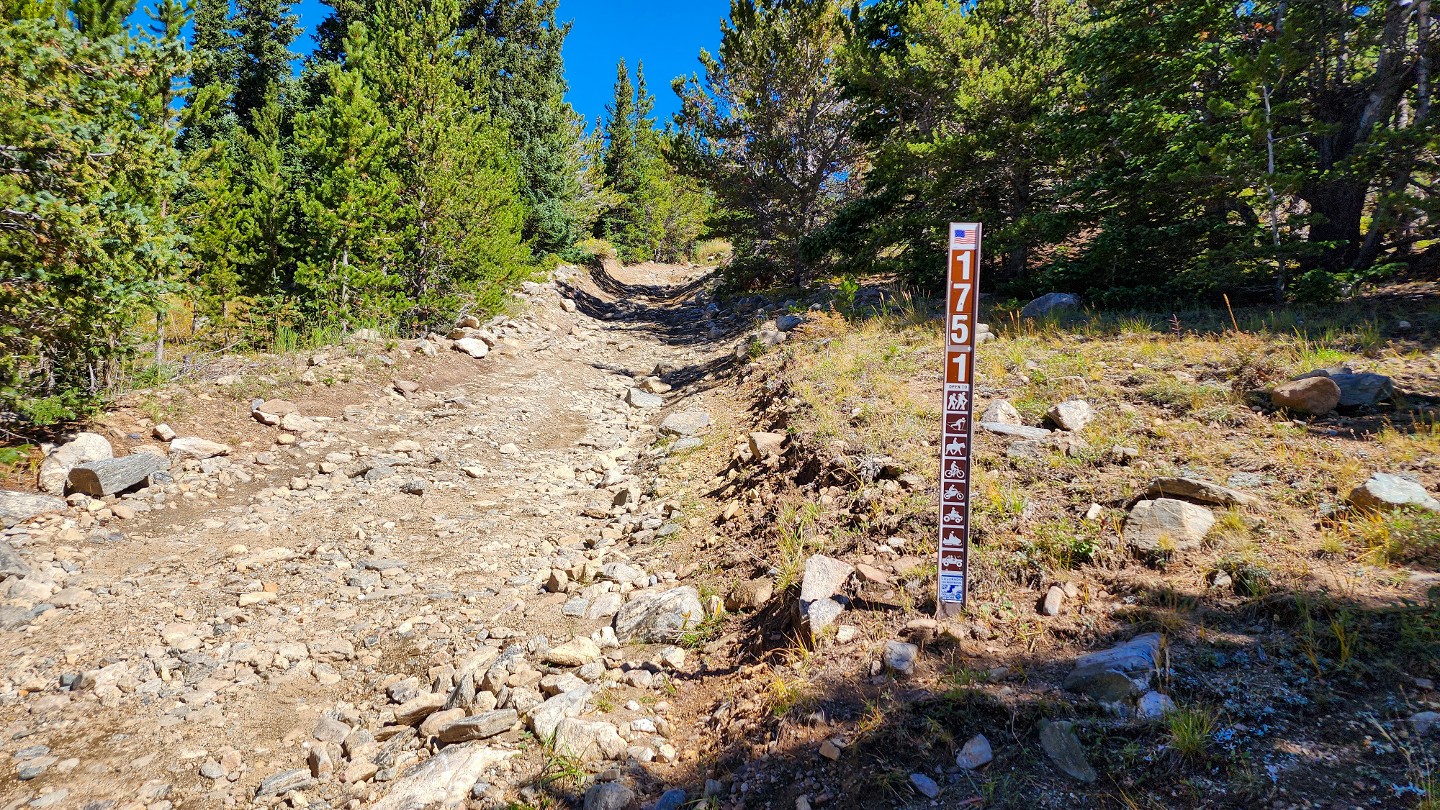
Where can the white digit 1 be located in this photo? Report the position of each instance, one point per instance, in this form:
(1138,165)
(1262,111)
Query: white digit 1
(960,369)
(965,259)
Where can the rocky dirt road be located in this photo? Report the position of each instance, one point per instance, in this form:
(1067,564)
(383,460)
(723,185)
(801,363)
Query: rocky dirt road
(384,600)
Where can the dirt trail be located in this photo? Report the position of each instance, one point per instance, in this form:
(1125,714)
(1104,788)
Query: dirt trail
(269,605)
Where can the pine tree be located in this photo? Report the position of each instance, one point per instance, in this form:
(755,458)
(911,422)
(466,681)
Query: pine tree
(621,151)
(769,128)
(265,30)
(630,159)
(349,231)
(515,65)
(585,162)
(100,19)
(84,250)
(263,255)
(209,116)
(458,191)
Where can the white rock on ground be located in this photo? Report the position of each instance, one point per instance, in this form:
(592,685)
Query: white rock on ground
(195,447)
(1072,415)
(1166,525)
(442,782)
(659,616)
(55,468)
(1384,491)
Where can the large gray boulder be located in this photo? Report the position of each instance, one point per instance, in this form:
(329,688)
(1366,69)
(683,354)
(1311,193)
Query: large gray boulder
(17,507)
(1166,524)
(660,615)
(1356,388)
(56,467)
(1050,303)
(1119,673)
(1385,492)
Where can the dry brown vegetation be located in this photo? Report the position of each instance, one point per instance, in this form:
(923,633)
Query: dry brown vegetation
(1321,640)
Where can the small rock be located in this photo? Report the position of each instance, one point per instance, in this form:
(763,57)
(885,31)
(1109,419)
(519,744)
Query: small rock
(588,740)
(1072,415)
(573,653)
(416,709)
(636,398)
(1017,431)
(685,423)
(1153,706)
(1053,599)
(1195,489)
(925,785)
(1062,746)
(442,781)
(197,448)
(273,411)
(830,751)
(16,507)
(479,727)
(474,347)
(1424,722)
(899,657)
(609,796)
(975,754)
(789,322)
(659,616)
(750,595)
(163,432)
(1001,412)
(765,446)
(284,782)
(1166,524)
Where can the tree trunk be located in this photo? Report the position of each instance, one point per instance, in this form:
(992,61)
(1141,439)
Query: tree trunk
(1336,209)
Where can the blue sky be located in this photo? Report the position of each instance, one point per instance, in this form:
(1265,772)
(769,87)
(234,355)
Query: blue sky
(666,36)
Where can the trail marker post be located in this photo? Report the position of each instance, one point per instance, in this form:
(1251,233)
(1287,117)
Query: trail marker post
(961,311)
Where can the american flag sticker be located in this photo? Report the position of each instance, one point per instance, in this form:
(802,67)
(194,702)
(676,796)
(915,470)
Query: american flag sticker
(964,236)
